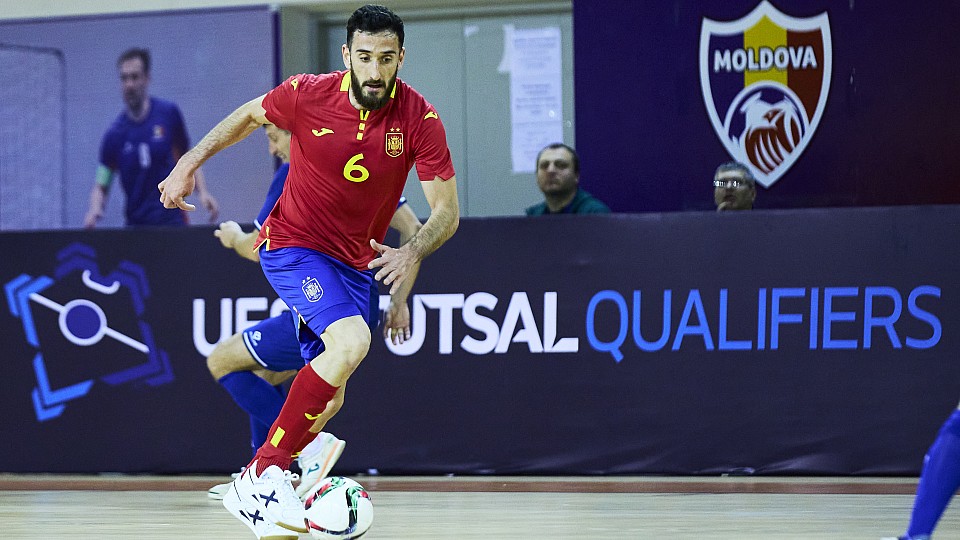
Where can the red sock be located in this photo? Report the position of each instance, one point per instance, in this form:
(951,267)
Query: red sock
(307,398)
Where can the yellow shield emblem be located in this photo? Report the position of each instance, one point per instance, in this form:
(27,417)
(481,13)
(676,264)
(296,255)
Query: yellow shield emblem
(394,144)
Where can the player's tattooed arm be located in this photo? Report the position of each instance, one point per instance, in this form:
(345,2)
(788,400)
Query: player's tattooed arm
(231,130)
(396,265)
(396,323)
(444,217)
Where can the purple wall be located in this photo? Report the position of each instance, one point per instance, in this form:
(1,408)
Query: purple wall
(887,135)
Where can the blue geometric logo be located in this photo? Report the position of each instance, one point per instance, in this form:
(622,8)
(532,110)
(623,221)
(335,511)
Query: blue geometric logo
(83,322)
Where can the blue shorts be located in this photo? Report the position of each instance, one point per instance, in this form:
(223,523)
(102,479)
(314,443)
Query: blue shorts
(320,290)
(273,343)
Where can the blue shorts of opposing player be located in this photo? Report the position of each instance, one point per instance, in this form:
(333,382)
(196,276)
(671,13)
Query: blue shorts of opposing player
(273,343)
(320,290)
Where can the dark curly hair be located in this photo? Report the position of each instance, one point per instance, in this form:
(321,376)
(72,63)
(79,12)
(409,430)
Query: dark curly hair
(372,19)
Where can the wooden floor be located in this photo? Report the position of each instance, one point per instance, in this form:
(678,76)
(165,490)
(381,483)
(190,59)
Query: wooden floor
(428,508)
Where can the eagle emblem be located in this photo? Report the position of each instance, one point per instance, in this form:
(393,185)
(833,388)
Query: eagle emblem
(765,79)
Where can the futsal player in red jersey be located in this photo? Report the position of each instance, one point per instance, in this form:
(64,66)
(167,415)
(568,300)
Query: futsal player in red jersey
(355,136)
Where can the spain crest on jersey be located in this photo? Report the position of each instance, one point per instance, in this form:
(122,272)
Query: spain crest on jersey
(765,80)
(394,143)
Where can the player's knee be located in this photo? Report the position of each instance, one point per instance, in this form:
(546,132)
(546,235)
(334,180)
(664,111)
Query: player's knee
(355,349)
(350,342)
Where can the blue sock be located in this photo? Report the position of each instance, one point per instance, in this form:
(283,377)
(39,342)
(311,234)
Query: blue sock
(939,479)
(259,430)
(255,396)
(258,434)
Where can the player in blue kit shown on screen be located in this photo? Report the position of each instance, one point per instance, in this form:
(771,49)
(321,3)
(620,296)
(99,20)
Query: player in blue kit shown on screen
(141,146)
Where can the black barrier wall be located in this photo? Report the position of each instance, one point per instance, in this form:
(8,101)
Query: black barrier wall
(774,342)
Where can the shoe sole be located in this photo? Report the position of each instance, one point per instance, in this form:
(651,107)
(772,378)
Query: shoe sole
(331,460)
(287,526)
(334,456)
(328,464)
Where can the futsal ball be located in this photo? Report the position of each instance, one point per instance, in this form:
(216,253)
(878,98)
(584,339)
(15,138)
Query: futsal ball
(338,507)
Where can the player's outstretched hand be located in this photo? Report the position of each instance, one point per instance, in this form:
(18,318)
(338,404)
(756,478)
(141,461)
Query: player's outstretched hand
(396,325)
(176,186)
(394,264)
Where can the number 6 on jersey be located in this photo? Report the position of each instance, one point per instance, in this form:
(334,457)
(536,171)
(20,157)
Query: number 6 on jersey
(354,172)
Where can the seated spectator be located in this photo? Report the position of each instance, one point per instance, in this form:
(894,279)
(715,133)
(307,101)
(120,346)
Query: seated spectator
(734,187)
(558,176)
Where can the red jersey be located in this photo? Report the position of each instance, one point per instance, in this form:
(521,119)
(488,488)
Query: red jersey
(348,166)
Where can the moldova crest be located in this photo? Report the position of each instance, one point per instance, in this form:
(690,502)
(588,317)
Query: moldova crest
(394,142)
(765,80)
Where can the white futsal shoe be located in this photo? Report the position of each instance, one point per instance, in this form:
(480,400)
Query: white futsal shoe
(254,519)
(316,459)
(272,495)
(218,491)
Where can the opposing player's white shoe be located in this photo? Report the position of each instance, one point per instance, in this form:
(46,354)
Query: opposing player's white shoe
(253,518)
(272,494)
(316,459)
(218,491)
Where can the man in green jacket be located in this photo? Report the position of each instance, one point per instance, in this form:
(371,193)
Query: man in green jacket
(558,176)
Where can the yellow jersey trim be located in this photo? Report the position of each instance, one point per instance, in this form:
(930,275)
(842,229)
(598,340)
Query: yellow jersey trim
(266,240)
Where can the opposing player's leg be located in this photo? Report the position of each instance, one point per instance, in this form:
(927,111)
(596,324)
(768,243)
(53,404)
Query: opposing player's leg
(275,378)
(939,480)
(232,364)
